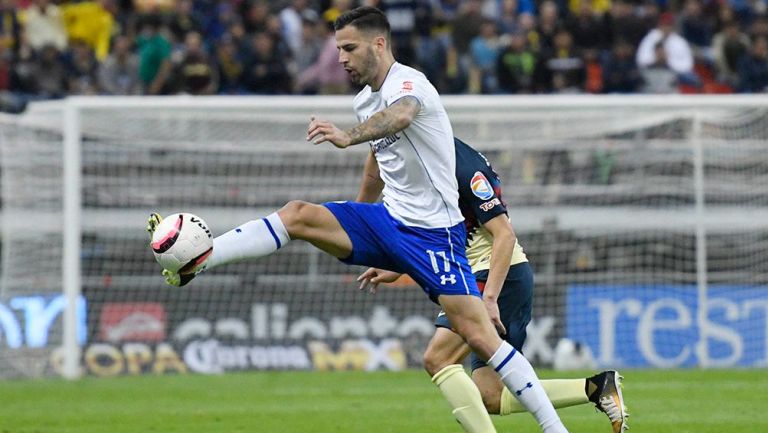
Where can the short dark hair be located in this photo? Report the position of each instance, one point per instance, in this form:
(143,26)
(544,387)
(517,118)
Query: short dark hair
(365,18)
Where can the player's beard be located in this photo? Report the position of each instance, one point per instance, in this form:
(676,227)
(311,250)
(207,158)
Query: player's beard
(367,71)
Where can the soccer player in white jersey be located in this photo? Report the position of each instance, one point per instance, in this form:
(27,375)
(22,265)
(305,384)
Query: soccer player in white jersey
(418,229)
(505,280)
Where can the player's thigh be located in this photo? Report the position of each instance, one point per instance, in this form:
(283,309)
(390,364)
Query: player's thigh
(490,386)
(515,303)
(445,348)
(470,319)
(317,225)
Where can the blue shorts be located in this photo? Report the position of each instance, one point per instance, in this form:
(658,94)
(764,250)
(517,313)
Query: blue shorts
(434,258)
(515,304)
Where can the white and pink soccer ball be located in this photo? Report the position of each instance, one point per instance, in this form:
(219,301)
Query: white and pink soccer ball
(182,242)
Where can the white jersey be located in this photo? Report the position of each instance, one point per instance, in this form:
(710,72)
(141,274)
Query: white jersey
(417,164)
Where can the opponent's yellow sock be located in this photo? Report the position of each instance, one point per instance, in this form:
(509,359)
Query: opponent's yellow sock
(561,392)
(464,397)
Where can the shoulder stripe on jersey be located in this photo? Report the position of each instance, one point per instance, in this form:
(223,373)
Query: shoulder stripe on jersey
(445,205)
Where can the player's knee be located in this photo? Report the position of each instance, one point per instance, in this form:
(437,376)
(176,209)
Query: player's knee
(433,363)
(296,216)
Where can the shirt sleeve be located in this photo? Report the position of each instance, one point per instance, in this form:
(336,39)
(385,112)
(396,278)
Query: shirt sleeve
(480,193)
(403,86)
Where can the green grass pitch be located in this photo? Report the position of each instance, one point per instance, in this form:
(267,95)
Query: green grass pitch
(677,401)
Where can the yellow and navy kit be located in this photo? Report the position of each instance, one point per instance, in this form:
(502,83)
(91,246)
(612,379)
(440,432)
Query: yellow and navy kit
(480,200)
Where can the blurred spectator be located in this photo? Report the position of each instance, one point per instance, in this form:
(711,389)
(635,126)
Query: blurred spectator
(47,76)
(266,72)
(195,72)
(593,71)
(231,66)
(620,73)
(184,20)
(326,76)
(658,76)
(10,28)
(291,20)
(624,24)
(549,23)
(466,26)
(587,28)
(402,16)
(753,67)
(432,44)
(507,16)
(697,29)
(447,10)
(220,18)
(44,25)
(759,27)
(527,25)
(676,51)
(119,73)
(148,7)
(91,22)
(560,69)
(728,46)
(337,8)
(154,57)
(484,51)
(515,65)
(82,70)
(313,39)
(598,6)
(256,16)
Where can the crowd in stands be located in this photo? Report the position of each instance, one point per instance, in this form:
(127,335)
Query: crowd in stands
(201,47)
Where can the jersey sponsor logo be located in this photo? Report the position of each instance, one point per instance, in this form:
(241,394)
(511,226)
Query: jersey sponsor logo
(490,204)
(384,143)
(408,85)
(481,187)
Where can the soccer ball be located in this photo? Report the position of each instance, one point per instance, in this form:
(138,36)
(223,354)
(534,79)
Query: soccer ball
(182,242)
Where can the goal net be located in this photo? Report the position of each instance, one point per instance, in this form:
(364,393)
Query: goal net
(645,220)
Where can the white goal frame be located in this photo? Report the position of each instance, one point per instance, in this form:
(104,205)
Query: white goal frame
(72,166)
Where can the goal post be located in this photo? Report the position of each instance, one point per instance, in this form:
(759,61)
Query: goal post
(644,217)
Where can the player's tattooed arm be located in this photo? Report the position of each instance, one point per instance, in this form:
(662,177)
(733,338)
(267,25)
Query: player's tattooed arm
(392,119)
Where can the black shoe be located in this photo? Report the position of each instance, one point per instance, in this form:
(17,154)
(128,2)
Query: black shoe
(604,390)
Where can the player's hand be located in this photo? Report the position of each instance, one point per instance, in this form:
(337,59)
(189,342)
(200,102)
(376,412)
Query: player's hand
(373,277)
(320,131)
(493,311)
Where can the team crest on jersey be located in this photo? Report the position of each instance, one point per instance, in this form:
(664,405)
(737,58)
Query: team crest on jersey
(481,187)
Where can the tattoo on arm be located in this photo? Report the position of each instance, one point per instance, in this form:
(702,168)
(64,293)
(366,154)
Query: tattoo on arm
(392,119)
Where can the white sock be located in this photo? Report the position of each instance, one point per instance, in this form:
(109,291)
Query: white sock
(518,376)
(252,240)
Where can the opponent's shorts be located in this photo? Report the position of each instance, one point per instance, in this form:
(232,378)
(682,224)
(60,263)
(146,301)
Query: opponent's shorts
(515,304)
(433,257)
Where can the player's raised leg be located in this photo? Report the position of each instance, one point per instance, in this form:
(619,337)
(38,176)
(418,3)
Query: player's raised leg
(296,220)
(470,319)
(262,237)
(442,360)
